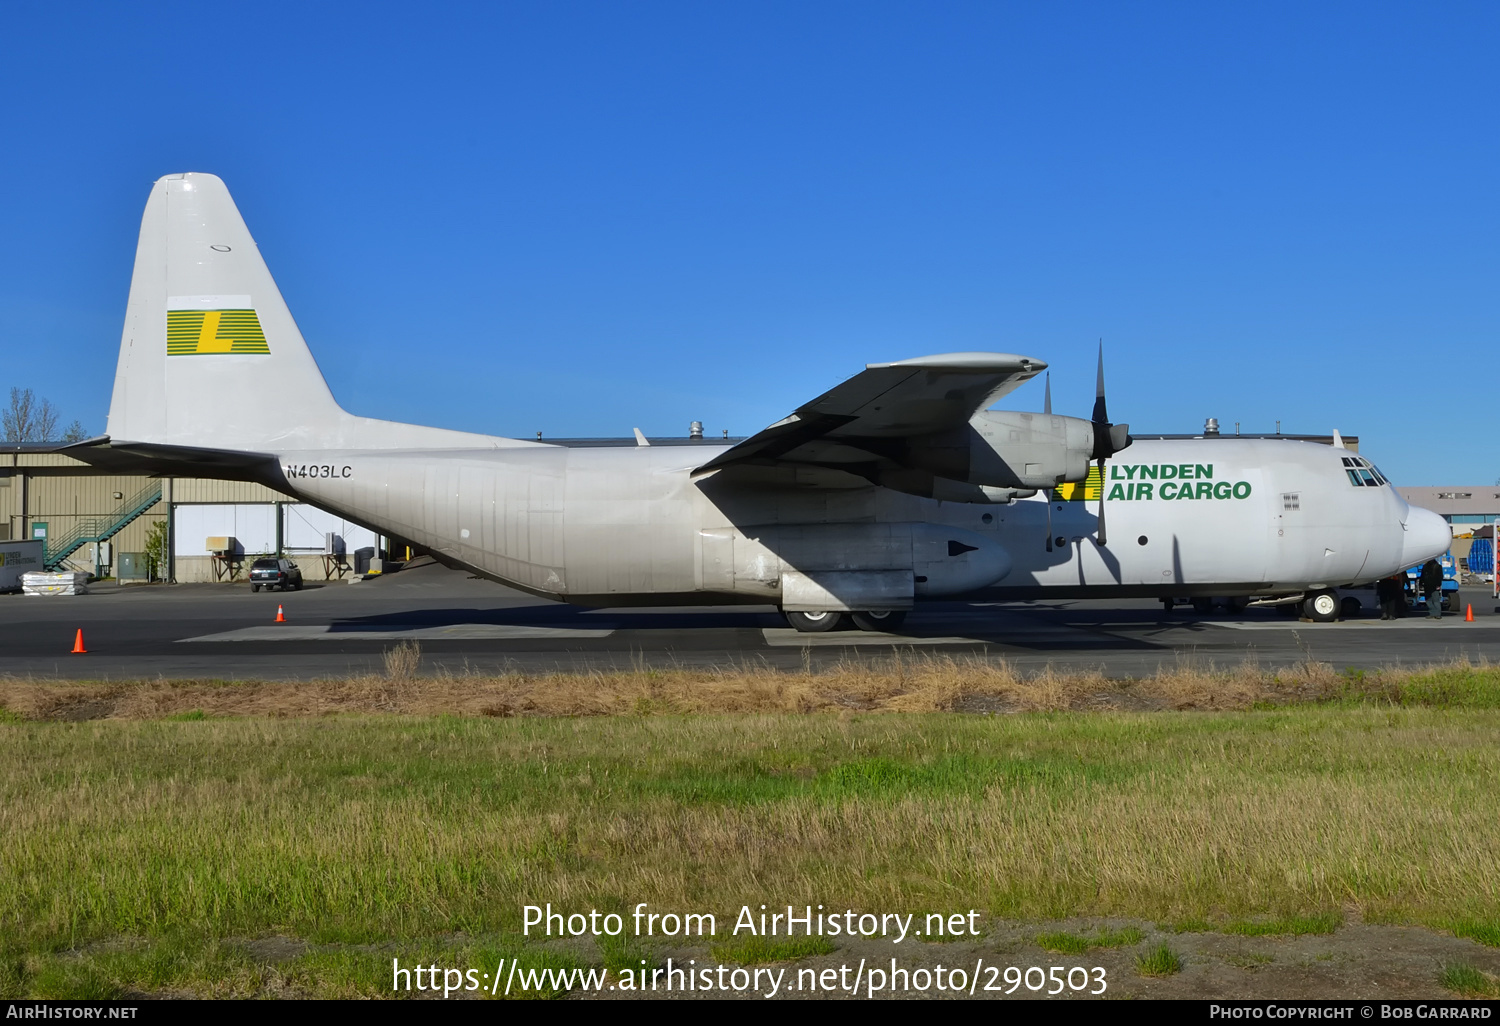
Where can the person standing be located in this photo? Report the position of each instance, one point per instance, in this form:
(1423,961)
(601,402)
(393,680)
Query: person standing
(1432,588)
(1388,590)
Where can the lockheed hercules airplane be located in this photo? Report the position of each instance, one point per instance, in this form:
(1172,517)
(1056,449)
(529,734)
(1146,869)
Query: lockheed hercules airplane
(898,484)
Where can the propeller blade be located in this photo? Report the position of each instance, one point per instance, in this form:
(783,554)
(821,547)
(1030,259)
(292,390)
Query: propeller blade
(1108,438)
(1102,539)
(1047,403)
(1101,413)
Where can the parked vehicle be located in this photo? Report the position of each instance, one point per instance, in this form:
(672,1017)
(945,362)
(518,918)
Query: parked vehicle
(271,573)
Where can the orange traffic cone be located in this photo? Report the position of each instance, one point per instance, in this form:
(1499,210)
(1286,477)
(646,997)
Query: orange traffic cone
(1469,614)
(279,617)
(78,643)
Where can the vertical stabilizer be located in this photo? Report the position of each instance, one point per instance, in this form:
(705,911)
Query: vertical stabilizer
(211,357)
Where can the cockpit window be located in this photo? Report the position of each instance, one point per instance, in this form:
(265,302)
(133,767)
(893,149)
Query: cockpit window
(1362,473)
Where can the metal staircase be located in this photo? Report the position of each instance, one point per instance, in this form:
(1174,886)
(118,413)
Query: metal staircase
(98,529)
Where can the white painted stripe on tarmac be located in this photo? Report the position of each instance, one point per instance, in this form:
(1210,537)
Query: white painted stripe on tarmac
(786,637)
(451,632)
(1411,623)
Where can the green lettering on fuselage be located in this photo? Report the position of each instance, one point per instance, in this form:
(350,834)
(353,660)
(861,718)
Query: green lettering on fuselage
(1197,482)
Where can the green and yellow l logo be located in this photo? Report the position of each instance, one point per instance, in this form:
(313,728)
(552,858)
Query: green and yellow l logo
(201,332)
(1088,490)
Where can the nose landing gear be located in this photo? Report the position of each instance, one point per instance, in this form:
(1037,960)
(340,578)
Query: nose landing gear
(1321,606)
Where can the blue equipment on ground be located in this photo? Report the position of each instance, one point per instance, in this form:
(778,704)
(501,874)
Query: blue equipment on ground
(1482,557)
(1414,594)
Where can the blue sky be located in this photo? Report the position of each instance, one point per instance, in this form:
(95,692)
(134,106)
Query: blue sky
(584,218)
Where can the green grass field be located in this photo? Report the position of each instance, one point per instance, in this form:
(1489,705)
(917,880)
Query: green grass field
(152,854)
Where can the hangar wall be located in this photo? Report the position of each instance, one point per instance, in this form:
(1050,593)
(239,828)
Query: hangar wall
(51,492)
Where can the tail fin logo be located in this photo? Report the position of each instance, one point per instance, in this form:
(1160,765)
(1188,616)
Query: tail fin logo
(206,332)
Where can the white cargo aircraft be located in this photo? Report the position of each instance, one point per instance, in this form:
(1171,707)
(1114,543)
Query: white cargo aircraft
(897,485)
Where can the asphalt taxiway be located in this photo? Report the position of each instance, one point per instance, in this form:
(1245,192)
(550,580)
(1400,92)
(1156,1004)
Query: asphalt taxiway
(468,625)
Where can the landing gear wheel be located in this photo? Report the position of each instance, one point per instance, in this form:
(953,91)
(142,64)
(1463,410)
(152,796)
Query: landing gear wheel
(886,620)
(1321,606)
(815,623)
(1203,606)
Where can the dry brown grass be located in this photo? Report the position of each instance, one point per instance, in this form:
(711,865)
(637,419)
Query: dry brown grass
(899,684)
(401,662)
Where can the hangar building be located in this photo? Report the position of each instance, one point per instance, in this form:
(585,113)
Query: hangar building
(89,520)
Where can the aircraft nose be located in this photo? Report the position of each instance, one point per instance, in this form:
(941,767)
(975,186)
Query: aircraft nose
(1427,537)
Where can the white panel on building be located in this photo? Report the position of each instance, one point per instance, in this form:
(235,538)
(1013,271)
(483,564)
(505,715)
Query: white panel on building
(307,527)
(252,526)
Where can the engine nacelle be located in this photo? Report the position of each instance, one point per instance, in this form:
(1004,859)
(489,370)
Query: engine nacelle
(1006,449)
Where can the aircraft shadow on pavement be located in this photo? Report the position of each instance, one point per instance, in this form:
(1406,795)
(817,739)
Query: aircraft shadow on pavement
(1010,631)
(556,615)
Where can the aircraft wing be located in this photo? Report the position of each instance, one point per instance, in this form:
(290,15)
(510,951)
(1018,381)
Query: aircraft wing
(857,421)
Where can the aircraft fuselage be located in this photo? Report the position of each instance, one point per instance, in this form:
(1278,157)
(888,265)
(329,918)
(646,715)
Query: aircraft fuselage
(611,525)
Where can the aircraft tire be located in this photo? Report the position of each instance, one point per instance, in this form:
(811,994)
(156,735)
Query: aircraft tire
(815,623)
(885,620)
(1321,606)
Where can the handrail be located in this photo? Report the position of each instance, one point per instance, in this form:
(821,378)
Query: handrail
(101,528)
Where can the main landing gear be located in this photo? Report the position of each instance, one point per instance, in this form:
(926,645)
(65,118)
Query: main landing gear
(829,620)
(815,623)
(885,620)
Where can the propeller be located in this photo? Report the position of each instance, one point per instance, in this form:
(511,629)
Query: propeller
(1108,438)
(1047,409)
